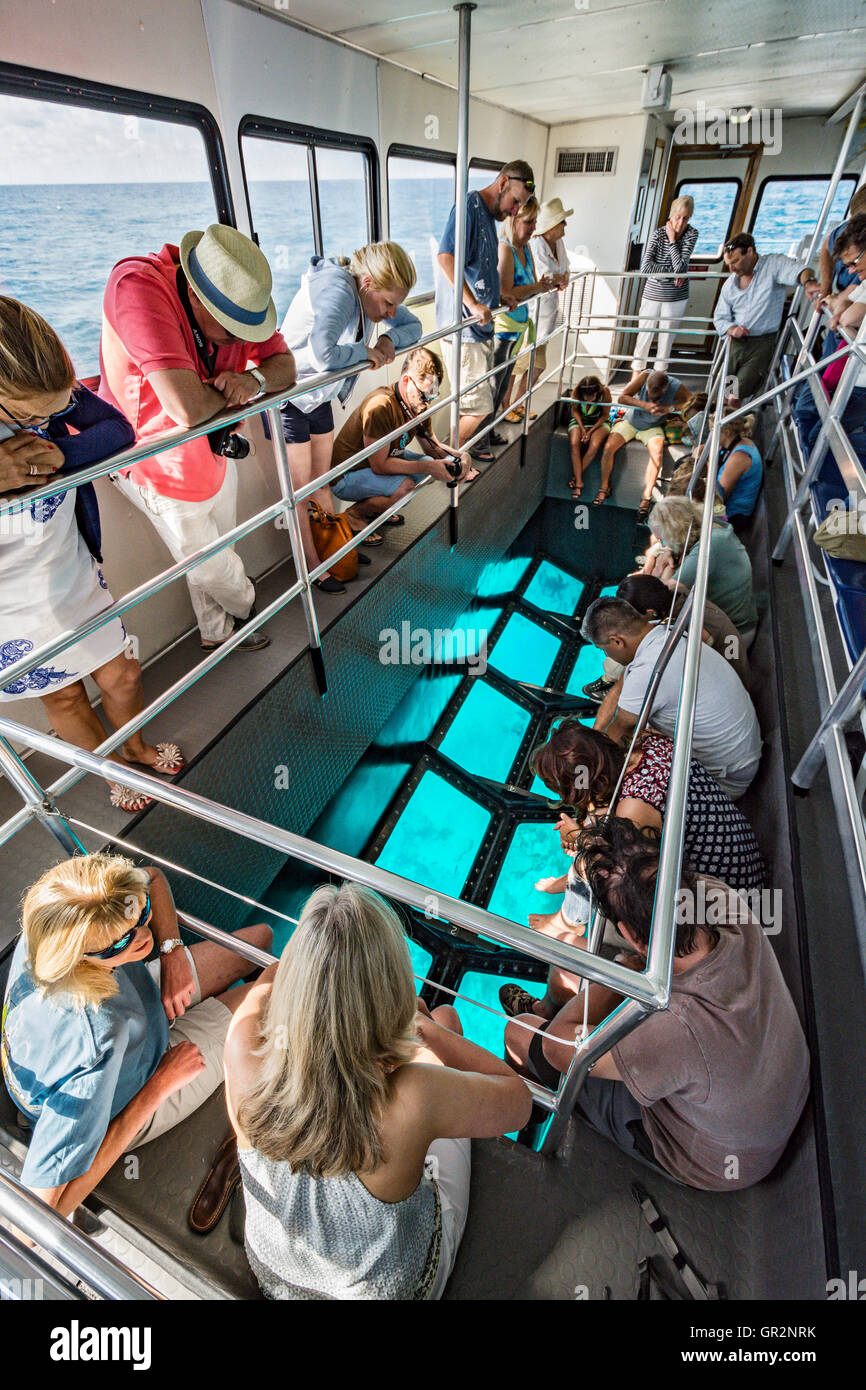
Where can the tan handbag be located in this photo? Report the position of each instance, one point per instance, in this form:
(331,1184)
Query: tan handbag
(840,535)
(330,533)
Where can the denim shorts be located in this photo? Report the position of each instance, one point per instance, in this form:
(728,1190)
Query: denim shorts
(359,484)
(298,426)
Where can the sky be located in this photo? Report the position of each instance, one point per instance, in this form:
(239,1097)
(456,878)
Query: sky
(46,142)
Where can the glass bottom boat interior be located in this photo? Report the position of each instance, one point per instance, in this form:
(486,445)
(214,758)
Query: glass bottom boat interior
(425,770)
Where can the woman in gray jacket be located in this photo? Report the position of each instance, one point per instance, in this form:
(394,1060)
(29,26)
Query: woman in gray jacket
(329,325)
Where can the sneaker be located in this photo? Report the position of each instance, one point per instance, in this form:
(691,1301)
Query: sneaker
(253,643)
(516,1000)
(596,690)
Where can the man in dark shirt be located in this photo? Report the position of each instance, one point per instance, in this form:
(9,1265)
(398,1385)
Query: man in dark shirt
(381,479)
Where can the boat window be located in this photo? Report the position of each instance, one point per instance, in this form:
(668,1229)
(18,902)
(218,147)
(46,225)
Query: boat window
(715,200)
(420,195)
(482,172)
(281,211)
(82,188)
(342,180)
(788,208)
(309,193)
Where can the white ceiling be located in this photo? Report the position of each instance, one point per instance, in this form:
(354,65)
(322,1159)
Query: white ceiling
(547,59)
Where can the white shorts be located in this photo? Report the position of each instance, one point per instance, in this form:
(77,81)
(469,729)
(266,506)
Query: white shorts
(205,1023)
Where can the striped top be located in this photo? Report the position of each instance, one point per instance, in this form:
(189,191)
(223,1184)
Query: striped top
(663,257)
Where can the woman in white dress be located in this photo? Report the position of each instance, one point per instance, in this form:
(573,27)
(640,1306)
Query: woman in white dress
(50,576)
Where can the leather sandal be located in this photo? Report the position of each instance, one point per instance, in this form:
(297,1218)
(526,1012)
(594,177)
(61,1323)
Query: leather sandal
(213,1196)
(644,508)
(601,497)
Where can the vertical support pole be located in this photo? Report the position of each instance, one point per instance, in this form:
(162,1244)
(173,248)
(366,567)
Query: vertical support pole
(37,799)
(841,161)
(524,432)
(564,345)
(464,12)
(284,474)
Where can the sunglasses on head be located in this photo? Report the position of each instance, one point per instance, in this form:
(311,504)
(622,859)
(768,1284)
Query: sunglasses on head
(528,184)
(123,941)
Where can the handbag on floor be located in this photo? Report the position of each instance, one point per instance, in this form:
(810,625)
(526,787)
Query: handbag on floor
(330,533)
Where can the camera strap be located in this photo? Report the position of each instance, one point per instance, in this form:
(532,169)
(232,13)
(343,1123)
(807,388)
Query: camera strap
(207,358)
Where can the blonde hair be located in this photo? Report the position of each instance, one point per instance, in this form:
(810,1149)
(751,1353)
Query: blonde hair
(340,1016)
(81,905)
(740,428)
(677,523)
(529,209)
(386,263)
(33,360)
(684,204)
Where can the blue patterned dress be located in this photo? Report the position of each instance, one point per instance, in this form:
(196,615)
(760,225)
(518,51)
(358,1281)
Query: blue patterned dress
(50,581)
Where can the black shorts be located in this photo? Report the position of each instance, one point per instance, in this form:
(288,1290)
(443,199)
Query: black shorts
(298,426)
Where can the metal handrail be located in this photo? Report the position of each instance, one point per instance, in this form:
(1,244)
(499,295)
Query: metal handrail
(76,1251)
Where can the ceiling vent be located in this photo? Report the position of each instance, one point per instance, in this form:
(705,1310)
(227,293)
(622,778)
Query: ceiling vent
(582,161)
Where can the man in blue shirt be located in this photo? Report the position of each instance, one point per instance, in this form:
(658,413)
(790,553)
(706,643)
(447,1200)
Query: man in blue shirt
(750,305)
(511,188)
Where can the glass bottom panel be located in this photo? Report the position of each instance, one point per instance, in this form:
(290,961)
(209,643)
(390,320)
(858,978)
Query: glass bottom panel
(554,590)
(486,733)
(534,853)
(436,838)
(587,668)
(524,651)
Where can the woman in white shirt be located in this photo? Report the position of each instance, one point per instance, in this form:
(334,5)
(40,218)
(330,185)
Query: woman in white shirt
(328,326)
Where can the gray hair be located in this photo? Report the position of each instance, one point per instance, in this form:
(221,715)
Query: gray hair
(677,523)
(684,204)
(609,615)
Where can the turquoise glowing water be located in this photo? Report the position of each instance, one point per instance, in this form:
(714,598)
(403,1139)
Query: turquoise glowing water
(486,733)
(534,853)
(482,1027)
(524,651)
(436,838)
(553,590)
(588,667)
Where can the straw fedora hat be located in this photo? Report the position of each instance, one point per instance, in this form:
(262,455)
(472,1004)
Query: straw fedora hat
(232,278)
(550,214)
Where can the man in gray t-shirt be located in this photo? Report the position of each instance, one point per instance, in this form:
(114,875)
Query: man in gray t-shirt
(726,739)
(711,1088)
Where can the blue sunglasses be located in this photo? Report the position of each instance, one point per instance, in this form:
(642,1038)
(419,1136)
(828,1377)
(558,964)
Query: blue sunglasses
(123,941)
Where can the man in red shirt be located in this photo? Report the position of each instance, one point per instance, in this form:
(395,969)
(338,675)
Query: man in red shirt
(187,332)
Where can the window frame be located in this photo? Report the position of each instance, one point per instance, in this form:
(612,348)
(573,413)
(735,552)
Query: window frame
(796,178)
(37,84)
(398,151)
(287,132)
(729,178)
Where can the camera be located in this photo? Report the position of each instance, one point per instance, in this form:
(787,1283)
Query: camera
(228,444)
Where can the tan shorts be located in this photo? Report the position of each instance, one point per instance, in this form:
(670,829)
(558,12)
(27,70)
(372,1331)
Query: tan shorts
(629,432)
(205,1023)
(522,363)
(476,359)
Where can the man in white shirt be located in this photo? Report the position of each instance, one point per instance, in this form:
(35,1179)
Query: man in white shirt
(750,306)
(726,738)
